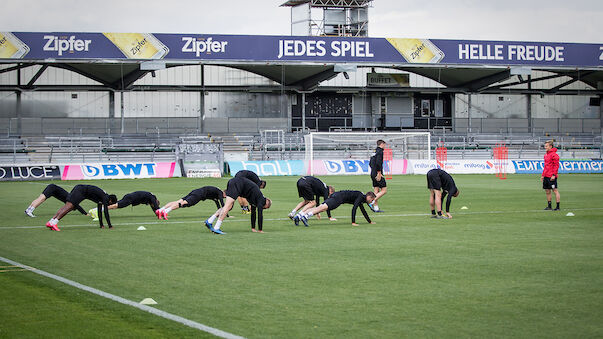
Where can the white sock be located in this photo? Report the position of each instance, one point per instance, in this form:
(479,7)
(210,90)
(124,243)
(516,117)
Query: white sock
(211,219)
(218,224)
(309,214)
(167,210)
(30,208)
(54,221)
(293,211)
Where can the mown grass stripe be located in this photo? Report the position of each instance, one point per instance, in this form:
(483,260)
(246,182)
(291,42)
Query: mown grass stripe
(152,310)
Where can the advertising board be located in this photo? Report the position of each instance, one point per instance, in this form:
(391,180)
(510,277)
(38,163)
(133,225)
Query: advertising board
(269,168)
(18,173)
(120,171)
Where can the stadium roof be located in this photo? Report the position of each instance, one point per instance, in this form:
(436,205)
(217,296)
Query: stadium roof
(121,76)
(117,60)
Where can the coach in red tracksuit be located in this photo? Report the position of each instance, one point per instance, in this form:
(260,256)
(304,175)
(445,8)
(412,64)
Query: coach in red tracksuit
(549,174)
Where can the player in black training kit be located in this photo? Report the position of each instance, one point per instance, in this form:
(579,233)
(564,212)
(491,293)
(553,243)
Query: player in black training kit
(200,194)
(77,195)
(241,187)
(51,190)
(311,189)
(379,184)
(437,180)
(137,198)
(253,177)
(356,198)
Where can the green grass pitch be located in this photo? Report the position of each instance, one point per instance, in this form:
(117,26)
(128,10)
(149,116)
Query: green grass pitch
(501,268)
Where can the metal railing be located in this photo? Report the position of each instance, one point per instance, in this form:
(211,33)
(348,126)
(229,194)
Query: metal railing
(534,126)
(289,146)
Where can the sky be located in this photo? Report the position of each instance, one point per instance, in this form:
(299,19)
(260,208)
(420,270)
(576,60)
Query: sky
(510,20)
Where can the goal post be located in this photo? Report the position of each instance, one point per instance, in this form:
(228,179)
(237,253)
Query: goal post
(361,145)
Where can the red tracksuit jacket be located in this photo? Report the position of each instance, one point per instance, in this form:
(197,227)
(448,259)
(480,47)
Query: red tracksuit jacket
(551,163)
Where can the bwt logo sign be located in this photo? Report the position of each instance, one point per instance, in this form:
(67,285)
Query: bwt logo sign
(351,166)
(120,170)
(62,44)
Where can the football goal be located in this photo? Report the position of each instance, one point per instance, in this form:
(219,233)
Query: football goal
(361,145)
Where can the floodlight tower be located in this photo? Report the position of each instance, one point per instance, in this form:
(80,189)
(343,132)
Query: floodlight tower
(339,17)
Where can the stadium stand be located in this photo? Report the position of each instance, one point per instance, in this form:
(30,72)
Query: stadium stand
(287,146)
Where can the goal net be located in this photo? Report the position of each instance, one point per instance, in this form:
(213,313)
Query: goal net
(361,146)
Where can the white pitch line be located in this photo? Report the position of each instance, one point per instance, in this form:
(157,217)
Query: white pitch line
(152,310)
(341,217)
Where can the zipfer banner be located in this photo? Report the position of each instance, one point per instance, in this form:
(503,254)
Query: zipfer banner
(57,46)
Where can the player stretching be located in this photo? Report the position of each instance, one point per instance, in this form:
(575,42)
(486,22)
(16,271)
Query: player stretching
(200,194)
(253,177)
(51,190)
(241,187)
(356,198)
(379,185)
(135,199)
(308,188)
(77,195)
(437,180)
(550,174)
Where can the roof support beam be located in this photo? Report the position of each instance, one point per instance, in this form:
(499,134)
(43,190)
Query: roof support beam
(87,75)
(14,68)
(312,82)
(37,75)
(483,83)
(575,77)
(521,82)
(126,81)
(279,89)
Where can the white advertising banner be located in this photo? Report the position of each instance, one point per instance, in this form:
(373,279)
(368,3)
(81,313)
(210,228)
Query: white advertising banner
(460,166)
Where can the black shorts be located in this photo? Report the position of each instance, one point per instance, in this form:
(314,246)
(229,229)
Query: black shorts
(191,199)
(76,195)
(126,201)
(304,191)
(53,190)
(381,183)
(232,189)
(433,180)
(333,203)
(549,184)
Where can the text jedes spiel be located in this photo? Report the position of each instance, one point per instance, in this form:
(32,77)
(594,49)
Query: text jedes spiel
(287,48)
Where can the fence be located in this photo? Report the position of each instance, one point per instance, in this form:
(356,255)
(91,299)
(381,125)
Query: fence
(290,146)
(536,126)
(137,126)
